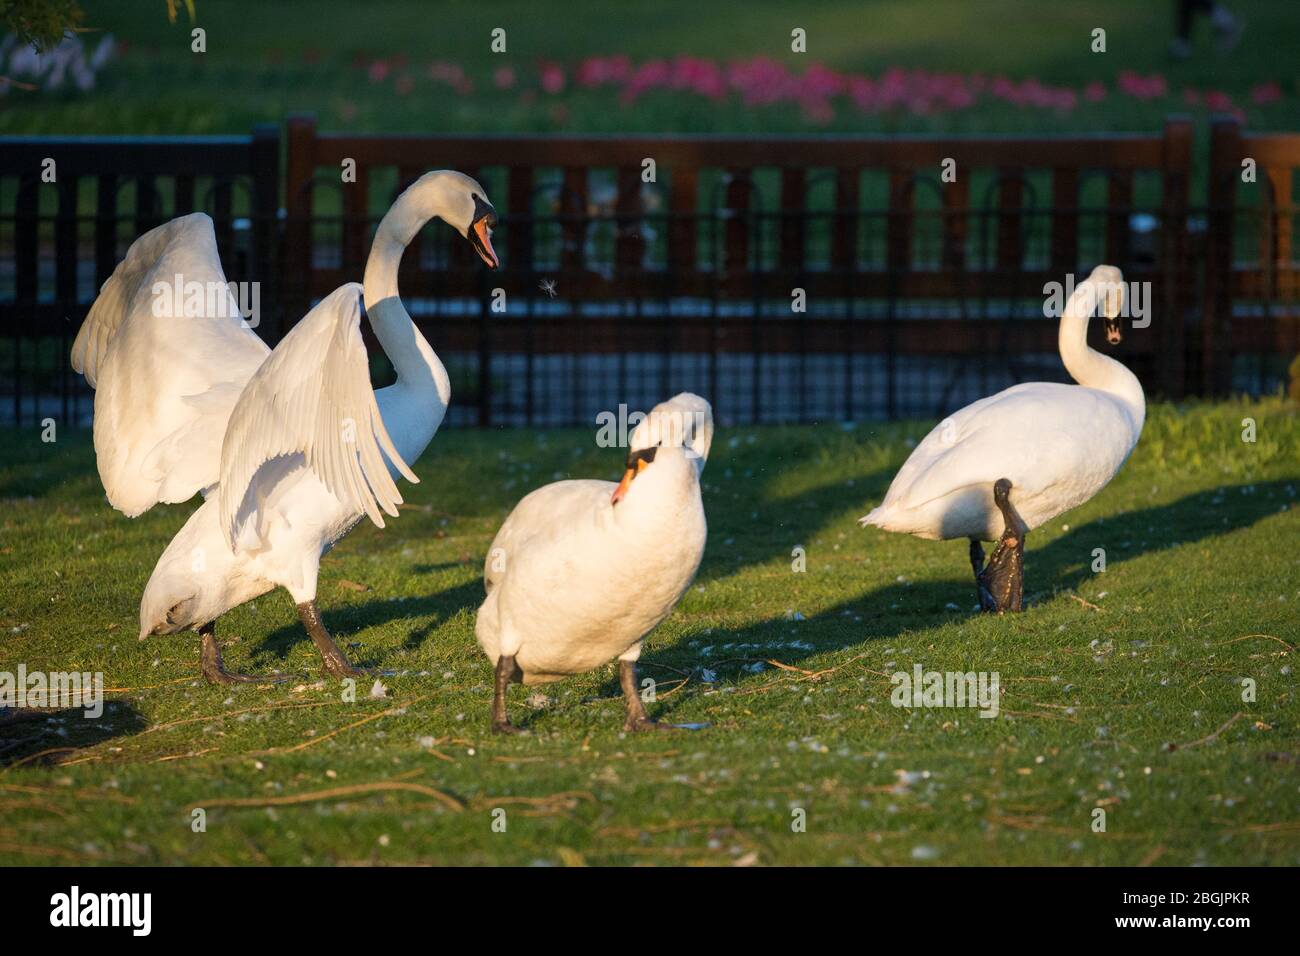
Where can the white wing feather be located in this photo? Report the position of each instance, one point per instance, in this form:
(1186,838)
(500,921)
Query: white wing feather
(313,397)
(165,381)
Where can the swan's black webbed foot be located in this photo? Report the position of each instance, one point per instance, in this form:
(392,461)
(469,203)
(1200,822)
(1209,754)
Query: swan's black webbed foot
(505,673)
(1001,582)
(214,669)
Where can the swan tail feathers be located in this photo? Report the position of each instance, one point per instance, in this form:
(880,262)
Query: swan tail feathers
(878,517)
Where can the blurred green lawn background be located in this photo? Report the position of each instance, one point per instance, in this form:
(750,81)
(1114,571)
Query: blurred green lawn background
(265,60)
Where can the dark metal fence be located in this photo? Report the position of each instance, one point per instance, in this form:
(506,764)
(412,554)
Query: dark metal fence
(1250,313)
(830,278)
(60,240)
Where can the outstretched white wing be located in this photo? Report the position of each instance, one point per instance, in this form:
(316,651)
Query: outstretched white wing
(167,352)
(313,398)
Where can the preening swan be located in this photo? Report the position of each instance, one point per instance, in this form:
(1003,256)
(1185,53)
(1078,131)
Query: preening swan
(1047,446)
(291,447)
(582,570)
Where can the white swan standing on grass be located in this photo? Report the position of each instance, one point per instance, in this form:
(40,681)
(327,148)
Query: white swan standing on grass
(582,570)
(290,447)
(1025,455)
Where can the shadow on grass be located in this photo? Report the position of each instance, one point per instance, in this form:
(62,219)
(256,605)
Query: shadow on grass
(38,469)
(891,611)
(47,738)
(784,522)
(885,613)
(880,615)
(1066,562)
(425,614)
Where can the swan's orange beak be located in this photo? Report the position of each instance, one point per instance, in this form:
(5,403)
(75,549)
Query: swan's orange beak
(480,237)
(635,466)
(623,486)
(480,231)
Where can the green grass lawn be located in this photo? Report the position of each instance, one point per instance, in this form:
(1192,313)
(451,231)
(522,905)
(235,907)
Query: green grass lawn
(264,60)
(1120,690)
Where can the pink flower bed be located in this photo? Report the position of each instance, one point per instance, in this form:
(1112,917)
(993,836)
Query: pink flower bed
(817,90)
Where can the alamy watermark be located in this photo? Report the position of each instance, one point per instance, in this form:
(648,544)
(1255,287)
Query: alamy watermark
(220,300)
(1134,299)
(54,689)
(669,428)
(922,688)
(133,911)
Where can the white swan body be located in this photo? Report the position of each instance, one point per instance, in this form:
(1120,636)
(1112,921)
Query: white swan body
(1058,444)
(291,447)
(288,520)
(574,580)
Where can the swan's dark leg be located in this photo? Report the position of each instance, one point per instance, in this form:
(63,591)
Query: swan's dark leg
(214,670)
(637,719)
(977,565)
(1001,583)
(335,662)
(506,672)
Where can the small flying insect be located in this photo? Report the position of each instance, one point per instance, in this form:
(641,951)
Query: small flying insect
(547,286)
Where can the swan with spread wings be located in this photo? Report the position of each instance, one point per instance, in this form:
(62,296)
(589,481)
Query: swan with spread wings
(290,448)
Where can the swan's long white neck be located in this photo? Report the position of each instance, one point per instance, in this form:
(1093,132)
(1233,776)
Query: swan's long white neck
(423,388)
(1089,367)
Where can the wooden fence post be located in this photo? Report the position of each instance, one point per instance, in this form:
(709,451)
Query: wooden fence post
(1216,319)
(295,291)
(1170,333)
(27,207)
(265,161)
